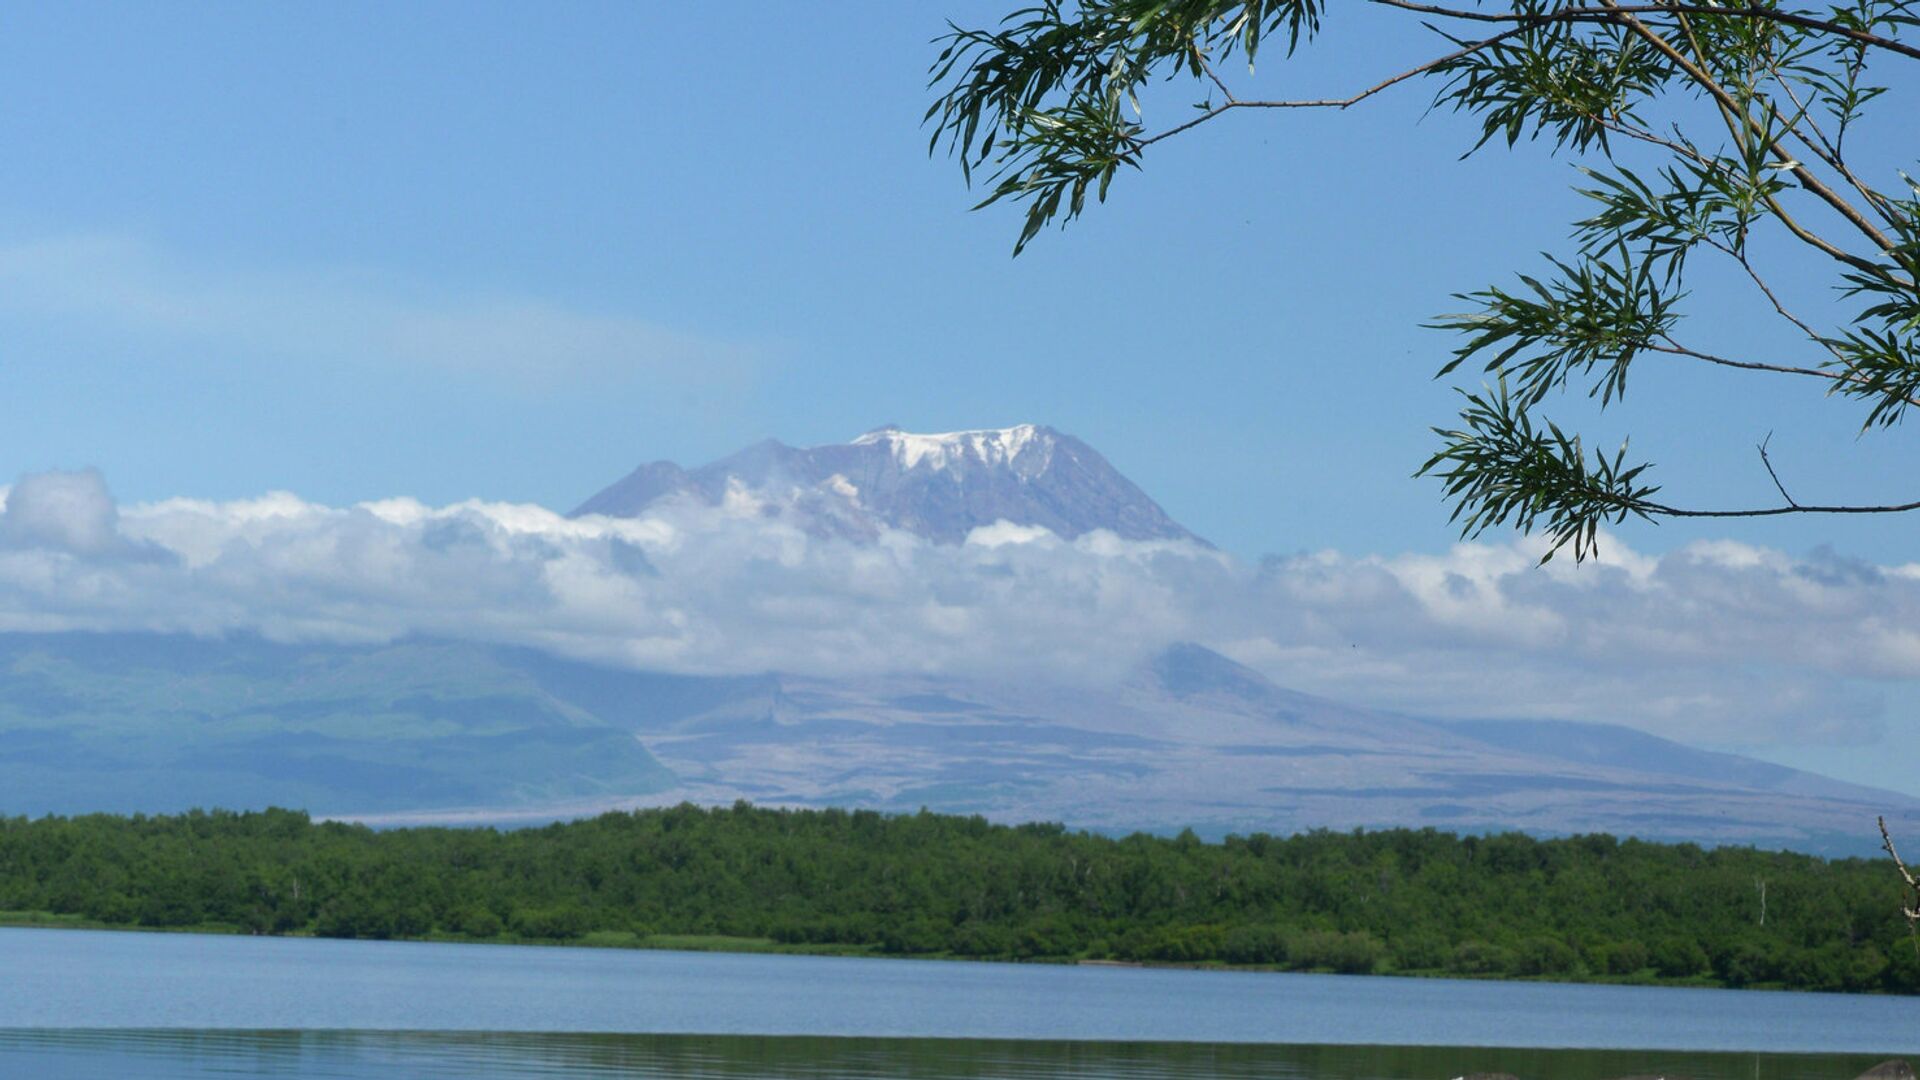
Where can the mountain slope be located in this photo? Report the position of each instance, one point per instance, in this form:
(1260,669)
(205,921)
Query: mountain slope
(1193,739)
(1623,747)
(423,731)
(939,486)
(129,722)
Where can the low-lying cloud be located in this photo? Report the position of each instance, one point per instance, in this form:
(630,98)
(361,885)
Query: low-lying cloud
(1715,642)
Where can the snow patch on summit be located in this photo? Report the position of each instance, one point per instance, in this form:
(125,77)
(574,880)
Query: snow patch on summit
(996,446)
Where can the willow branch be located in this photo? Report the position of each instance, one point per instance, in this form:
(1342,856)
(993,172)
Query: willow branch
(1772,297)
(1734,114)
(1200,58)
(1605,14)
(1787,220)
(1334,103)
(1828,150)
(1674,348)
(1663,510)
(1774,476)
(1800,172)
(1634,131)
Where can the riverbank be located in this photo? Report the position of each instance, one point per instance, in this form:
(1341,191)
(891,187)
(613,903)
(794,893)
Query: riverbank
(721,943)
(598,939)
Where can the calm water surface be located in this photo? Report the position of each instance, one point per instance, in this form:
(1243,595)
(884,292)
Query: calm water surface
(202,1055)
(85,1004)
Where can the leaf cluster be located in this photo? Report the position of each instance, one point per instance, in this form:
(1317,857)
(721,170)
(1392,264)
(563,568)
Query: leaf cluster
(1598,313)
(1877,360)
(1570,80)
(1048,101)
(1502,470)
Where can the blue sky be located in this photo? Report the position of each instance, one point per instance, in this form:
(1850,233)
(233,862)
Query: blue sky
(509,251)
(734,220)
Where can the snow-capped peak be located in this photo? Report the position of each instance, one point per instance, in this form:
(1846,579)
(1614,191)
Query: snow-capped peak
(941,487)
(993,446)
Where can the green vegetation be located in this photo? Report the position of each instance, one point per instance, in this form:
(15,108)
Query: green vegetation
(1420,902)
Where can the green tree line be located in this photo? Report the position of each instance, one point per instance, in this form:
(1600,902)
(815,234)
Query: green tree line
(1406,901)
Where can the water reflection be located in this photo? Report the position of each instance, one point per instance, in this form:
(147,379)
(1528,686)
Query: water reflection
(322,1055)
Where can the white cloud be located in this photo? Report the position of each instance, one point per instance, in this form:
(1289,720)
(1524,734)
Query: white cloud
(70,511)
(1715,642)
(345,317)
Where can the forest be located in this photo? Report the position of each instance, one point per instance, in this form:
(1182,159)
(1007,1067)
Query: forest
(1589,908)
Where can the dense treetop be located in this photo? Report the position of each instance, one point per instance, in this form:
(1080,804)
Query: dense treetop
(1392,901)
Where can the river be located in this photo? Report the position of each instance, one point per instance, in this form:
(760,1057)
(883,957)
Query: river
(79,1004)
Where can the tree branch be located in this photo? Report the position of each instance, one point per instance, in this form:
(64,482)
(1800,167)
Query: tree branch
(1767,291)
(1604,14)
(1662,510)
(1333,103)
(1676,349)
(1200,58)
(1733,108)
(1787,220)
(1800,172)
(1827,149)
(1827,374)
(1768,462)
(1913,887)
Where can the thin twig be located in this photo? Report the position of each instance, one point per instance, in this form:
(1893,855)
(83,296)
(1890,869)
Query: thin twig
(1634,131)
(1200,58)
(1335,103)
(1676,349)
(1768,462)
(1777,511)
(1772,298)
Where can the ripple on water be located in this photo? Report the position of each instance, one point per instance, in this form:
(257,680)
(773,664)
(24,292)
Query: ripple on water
(50,1054)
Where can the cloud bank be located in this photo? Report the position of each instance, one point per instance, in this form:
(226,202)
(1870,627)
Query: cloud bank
(1715,642)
